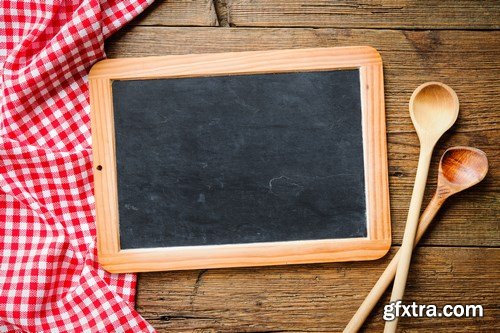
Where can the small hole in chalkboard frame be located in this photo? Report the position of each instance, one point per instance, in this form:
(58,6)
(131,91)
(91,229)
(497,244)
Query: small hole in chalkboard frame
(99,167)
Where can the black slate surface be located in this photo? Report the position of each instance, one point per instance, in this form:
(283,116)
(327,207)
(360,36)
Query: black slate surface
(239,159)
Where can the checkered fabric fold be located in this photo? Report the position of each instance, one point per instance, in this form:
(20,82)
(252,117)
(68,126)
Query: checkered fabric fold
(49,277)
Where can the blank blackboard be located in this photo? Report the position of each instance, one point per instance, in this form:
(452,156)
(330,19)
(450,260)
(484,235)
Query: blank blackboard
(238,162)
(239,159)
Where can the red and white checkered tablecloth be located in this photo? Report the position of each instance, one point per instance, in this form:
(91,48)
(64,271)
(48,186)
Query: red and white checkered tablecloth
(49,278)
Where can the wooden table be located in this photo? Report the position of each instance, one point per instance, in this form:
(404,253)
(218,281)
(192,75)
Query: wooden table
(456,42)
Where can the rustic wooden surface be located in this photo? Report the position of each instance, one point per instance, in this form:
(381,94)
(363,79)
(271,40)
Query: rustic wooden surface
(457,42)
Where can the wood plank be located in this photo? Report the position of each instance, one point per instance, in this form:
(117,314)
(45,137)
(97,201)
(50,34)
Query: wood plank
(394,14)
(179,13)
(319,298)
(466,60)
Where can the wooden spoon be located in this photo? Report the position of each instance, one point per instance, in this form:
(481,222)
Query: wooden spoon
(433,110)
(459,169)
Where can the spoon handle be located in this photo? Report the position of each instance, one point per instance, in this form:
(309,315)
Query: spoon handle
(410,231)
(388,275)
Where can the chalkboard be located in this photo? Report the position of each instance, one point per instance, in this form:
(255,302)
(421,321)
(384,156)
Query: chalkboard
(223,160)
(239,159)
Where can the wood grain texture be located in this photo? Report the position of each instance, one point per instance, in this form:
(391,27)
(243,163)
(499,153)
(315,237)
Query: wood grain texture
(322,298)
(249,62)
(200,13)
(318,298)
(222,10)
(407,14)
(115,260)
(465,60)
(104,165)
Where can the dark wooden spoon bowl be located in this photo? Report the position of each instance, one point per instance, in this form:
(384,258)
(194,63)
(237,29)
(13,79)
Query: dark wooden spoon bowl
(461,168)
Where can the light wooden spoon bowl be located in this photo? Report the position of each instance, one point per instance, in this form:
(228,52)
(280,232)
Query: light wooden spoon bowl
(433,110)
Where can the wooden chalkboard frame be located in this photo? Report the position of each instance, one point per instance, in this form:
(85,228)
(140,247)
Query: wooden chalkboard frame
(374,246)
